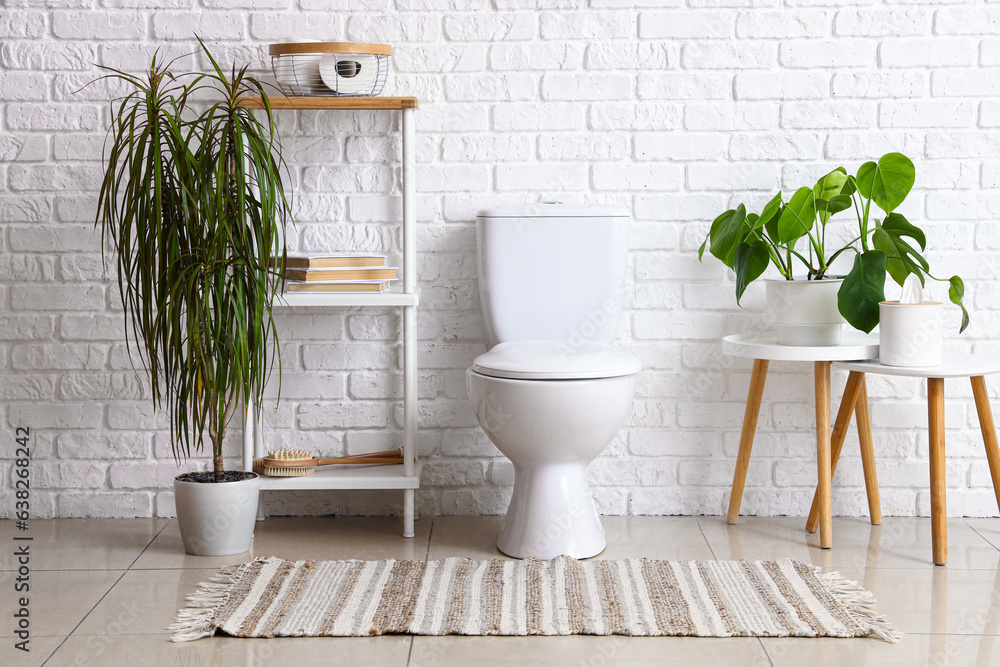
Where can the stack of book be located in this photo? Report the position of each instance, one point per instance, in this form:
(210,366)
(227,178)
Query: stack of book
(338,273)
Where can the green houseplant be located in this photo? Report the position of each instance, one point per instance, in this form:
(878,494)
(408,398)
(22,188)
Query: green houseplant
(793,234)
(194,204)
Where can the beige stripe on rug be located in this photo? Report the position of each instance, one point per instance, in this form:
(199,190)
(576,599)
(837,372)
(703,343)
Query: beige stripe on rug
(271,597)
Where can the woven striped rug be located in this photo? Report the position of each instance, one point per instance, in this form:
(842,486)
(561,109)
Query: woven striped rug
(271,597)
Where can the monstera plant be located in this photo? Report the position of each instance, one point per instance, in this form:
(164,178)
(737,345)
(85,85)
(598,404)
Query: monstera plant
(793,235)
(194,205)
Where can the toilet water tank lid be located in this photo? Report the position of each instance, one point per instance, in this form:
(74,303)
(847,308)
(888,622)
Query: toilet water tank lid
(553,210)
(555,360)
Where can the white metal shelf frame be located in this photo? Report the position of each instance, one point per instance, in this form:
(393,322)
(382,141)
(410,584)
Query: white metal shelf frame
(405,476)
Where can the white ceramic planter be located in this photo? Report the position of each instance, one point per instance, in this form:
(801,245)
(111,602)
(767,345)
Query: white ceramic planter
(217,519)
(910,334)
(805,311)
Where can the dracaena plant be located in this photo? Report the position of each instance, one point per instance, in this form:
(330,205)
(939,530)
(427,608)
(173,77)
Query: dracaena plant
(793,235)
(194,204)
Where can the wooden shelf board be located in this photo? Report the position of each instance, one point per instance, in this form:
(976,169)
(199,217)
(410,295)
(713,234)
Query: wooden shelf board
(347,477)
(332,102)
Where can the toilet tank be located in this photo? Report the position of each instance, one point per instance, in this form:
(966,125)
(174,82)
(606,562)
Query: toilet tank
(552,271)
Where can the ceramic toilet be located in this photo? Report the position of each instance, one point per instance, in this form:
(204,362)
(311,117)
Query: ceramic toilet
(552,392)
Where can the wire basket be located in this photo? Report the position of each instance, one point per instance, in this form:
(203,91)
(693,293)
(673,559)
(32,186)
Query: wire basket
(346,69)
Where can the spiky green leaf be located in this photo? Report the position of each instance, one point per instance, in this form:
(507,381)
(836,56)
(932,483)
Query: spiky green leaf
(194,204)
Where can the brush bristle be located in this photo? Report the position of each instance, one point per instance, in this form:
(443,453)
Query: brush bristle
(261,469)
(286,454)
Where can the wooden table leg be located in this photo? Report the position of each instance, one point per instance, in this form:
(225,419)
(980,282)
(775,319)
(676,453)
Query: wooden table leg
(864,422)
(821,372)
(852,391)
(989,431)
(939,512)
(750,416)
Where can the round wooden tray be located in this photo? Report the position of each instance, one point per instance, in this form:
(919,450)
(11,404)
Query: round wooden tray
(293,48)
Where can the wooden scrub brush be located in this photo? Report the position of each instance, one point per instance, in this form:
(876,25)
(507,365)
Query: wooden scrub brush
(300,462)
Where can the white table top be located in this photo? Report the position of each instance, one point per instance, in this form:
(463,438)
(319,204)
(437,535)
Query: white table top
(856,345)
(955,365)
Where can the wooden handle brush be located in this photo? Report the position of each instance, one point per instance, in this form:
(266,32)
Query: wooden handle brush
(293,462)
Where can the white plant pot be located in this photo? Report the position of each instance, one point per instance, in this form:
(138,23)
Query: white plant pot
(217,519)
(910,334)
(805,312)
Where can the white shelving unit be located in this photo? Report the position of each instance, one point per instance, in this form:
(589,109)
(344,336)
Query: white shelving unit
(405,476)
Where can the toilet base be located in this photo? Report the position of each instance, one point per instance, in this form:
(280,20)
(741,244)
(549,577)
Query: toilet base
(552,513)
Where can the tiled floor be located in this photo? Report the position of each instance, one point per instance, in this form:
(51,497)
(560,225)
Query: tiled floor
(104,590)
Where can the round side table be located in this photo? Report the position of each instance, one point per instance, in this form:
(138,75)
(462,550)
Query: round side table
(763,348)
(956,365)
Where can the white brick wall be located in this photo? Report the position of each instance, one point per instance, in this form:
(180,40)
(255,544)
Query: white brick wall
(671,109)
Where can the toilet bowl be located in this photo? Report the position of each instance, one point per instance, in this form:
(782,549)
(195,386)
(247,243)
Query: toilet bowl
(551,415)
(552,392)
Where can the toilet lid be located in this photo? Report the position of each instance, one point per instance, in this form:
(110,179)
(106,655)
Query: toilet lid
(555,360)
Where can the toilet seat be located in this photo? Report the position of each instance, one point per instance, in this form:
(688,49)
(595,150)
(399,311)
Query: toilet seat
(555,360)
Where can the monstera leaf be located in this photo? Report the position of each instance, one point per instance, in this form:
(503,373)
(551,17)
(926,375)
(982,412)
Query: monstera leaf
(726,233)
(887,182)
(897,225)
(829,188)
(797,216)
(902,259)
(770,215)
(836,204)
(750,260)
(956,291)
(772,209)
(863,289)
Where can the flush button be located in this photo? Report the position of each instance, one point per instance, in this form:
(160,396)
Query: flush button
(552,202)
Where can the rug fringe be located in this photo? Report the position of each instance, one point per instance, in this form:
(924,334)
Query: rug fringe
(195,620)
(860,602)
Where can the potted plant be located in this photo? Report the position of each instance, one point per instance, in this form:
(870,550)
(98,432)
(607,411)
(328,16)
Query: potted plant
(194,205)
(793,235)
